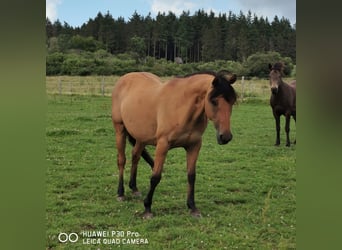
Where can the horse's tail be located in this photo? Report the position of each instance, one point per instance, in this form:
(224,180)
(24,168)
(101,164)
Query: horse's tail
(147,157)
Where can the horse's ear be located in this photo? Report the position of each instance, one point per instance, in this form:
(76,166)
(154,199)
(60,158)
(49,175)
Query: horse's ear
(278,66)
(215,82)
(229,77)
(270,66)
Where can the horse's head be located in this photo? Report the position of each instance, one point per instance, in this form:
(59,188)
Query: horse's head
(218,105)
(276,72)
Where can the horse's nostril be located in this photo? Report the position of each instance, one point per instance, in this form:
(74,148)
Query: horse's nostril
(224,139)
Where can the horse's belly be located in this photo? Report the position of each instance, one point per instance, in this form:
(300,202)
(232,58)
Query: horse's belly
(143,134)
(140,122)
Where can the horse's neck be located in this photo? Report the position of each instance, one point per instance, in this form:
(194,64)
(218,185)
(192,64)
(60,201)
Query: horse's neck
(183,102)
(284,95)
(200,87)
(283,85)
(198,94)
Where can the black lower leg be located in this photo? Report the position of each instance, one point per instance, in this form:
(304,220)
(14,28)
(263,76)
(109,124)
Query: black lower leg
(287,139)
(133,180)
(148,200)
(121,189)
(136,153)
(133,184)
(191,192)
(294,117)
(287,130)
(147,157)
(278,135)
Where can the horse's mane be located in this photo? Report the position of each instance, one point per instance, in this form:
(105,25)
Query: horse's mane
(221,84)
(204,72)
(279,66)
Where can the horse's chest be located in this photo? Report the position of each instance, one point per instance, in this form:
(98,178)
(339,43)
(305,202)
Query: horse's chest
(185,138)
(185,134)
(280,105)
(281,109)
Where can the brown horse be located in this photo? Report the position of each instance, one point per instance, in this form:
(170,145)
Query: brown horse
(282,101)
(169,115)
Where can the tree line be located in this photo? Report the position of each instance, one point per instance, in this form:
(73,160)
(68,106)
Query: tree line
(199,38)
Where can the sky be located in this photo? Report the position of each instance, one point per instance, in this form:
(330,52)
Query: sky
(78,12)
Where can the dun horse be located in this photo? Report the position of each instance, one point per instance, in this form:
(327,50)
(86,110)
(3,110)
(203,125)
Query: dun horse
(283,100)
(169,115)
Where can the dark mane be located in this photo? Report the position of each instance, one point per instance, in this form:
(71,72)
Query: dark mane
(221,85)
(278,66)
(205,72)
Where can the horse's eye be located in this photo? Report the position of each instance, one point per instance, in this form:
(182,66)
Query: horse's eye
(214,102)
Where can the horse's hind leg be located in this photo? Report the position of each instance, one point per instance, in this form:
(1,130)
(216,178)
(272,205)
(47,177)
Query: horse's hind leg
(144,152)
(294,117)
(136,153)
(120,135)
(160,155)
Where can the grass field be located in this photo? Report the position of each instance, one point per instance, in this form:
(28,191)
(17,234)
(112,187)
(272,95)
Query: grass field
(246,190)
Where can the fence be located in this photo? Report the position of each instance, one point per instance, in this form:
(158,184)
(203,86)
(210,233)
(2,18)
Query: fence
(80,85)
(103,85)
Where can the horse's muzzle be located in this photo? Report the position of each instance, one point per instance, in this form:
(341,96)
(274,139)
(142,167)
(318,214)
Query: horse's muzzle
(274,90)
(224,138)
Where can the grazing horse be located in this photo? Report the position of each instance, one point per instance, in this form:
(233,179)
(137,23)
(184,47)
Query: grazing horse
(282,101)
(169,115)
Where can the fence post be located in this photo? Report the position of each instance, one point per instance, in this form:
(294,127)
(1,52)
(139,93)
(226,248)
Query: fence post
(70,87)
(59,85)
(102,86)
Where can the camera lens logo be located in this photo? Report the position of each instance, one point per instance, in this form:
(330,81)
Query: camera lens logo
(64,237)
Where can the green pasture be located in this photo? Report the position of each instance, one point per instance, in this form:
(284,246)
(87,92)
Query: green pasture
(246,190)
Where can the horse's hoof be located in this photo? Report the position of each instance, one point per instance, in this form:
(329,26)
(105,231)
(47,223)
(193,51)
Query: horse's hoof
(136,194)
(120,198)
(147,216)
(287,145)
(196,214)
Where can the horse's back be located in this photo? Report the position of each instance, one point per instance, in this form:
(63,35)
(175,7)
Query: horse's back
(293,85)
(133,101)
(133,82)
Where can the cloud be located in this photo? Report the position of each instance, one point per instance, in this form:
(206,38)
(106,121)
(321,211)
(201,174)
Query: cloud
(265,8)
(51,9)
(270,8)
(175,6)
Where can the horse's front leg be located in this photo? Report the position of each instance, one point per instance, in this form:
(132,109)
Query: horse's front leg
(120,136)
(160,155)
(191,158)
(136,153)
(287,129)
(277,121)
